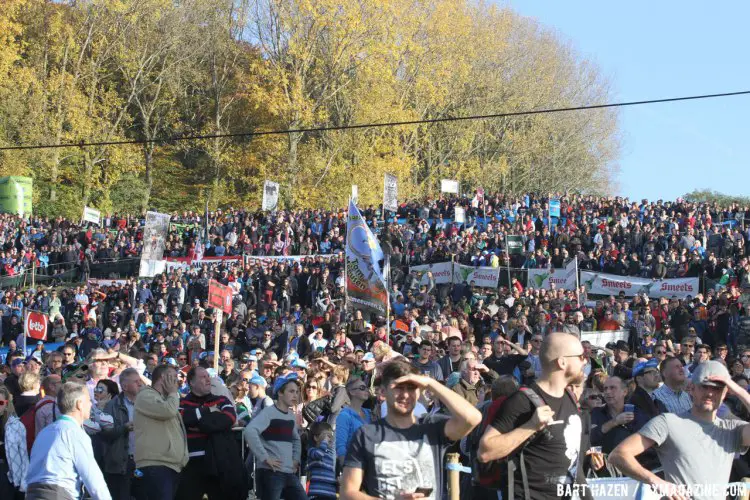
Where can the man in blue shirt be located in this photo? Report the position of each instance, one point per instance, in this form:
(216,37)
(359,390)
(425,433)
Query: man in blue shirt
(62,459)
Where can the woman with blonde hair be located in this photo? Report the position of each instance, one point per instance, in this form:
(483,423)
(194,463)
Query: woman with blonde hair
(12,447)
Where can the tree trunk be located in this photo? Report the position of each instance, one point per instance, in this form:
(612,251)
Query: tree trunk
(148,161)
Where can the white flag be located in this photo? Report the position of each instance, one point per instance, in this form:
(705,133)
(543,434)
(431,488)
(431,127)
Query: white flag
(390,193)
(92,215)
(270,196)
(355,194)
(460,215)
(448,186)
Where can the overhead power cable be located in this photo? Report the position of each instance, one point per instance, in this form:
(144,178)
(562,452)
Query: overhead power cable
(259,133)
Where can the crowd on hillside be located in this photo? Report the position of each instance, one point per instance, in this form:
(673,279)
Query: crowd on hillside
(298,377)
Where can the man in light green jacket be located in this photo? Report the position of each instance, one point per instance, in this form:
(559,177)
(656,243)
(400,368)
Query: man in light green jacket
(160,439)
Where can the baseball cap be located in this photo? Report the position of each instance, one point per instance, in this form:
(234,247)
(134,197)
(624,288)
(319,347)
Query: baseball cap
(170,361)
(708,369)
(299,363)
(643,366)
(17,361)
(368,357)
(359,348)
(246,358)
(258,380)
(281,382)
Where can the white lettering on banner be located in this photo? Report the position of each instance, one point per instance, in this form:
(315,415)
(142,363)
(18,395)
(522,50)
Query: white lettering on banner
(33,325)
(609,284)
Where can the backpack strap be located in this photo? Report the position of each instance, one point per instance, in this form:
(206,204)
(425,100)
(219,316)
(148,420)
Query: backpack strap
(524,478)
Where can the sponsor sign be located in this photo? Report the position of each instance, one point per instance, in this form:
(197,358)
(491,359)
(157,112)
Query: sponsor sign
(36,325)
(485,277)
(610,284)
(442,272)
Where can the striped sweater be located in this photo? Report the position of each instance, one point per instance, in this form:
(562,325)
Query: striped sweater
(205,415)
(274,434)
(321,471)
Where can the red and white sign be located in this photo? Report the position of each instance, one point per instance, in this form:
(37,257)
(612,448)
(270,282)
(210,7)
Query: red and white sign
(36,325)
(220,296)
(610,284)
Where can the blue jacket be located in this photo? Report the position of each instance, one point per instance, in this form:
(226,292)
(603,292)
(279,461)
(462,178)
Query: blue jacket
(347,423)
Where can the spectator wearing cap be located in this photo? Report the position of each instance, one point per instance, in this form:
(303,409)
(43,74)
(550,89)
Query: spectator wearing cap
(209,418)
(618,366)
(17,368)
(299,366)
(275,442)
(257,394)
(647,379)
(686,442)
(672,392)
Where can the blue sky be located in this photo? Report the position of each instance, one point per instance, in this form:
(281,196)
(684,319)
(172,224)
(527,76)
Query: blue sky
(659,49)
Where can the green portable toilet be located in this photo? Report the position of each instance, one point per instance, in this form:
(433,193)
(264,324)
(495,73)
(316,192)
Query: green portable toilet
(15,195)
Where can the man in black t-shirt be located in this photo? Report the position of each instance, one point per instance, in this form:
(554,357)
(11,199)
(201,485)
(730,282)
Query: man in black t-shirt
(502,362)
(400,457)
(551,457)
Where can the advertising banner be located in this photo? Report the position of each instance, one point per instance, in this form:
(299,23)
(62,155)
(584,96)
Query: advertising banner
(442,272)
(485,277)
(563,278)
(610,284)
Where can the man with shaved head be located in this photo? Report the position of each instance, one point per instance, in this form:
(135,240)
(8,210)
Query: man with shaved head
(552,458)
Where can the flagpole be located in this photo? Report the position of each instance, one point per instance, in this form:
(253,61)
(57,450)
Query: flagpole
(388,297)
(507,252)
(346,263)
(578,297)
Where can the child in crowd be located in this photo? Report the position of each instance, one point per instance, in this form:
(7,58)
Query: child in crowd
(321,462)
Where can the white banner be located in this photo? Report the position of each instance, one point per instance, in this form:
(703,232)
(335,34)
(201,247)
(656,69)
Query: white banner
(355,194)
(460,215)
(155,236)
(611,284)
(442,272)
(448,186)
(92,215)
(603,338)
(270,196)
(150,268)
(485,277)
(563,278)
(390,193)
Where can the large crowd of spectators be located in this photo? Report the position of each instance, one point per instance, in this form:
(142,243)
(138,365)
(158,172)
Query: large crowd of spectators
(288,324)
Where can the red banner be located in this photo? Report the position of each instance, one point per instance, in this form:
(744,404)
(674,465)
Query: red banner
(220,296)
